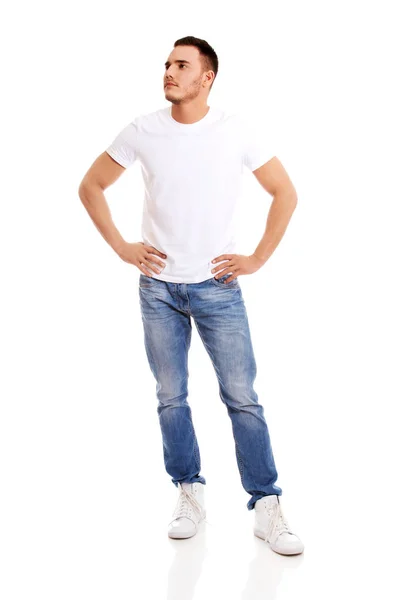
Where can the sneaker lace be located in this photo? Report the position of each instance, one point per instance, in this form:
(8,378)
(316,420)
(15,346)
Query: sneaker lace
(277,522)
(186,500)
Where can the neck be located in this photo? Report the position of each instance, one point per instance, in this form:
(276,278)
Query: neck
(189,113)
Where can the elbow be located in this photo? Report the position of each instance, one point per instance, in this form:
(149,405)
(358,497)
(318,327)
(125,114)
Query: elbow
(85,190)
(82,191)
(292,194)
(287,195)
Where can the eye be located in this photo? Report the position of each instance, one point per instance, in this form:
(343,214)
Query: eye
(182,66)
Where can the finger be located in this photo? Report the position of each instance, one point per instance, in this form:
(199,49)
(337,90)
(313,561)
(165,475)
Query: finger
(234,272)
(221,273)
(230,266)
(223,257)
(151,258)
(144,270)
(154,250)
(152,264)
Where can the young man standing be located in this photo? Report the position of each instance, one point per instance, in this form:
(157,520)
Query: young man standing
(192,157)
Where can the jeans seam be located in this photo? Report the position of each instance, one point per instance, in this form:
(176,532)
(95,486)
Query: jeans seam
(240,462)
(198,462)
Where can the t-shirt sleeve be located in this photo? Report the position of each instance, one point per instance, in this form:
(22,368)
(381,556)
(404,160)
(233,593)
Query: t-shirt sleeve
(123,149)
(258,146)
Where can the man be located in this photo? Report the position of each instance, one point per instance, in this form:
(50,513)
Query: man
(192,156)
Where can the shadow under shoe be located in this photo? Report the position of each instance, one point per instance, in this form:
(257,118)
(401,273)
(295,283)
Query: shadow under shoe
(189,511)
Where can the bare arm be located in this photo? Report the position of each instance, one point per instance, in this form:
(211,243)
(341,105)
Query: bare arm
(101,174)
(273,177)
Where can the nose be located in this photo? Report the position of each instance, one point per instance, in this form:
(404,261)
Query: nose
(168,74)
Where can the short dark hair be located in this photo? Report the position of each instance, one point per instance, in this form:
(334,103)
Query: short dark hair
(209,58)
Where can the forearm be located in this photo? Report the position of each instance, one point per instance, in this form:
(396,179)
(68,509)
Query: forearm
(97,207)
(279,216)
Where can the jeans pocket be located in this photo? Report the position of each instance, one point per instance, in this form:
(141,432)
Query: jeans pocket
(147,282)
(221,282)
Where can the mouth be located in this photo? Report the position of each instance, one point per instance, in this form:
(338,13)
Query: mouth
(170,84)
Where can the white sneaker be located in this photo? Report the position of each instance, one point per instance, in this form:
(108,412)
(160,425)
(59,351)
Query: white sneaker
(189,511)
(271,526)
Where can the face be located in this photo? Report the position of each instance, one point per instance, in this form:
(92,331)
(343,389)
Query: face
(190,81)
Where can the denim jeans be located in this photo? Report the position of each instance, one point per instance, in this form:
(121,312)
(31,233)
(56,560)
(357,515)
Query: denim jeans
(220,317)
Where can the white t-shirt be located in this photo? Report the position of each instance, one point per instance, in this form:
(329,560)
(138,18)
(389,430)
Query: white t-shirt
(192,175)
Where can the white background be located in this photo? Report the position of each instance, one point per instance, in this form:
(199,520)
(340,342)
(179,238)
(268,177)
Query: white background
(85,499)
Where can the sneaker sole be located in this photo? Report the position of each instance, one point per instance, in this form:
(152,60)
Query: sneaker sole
(260,535)
(185,536)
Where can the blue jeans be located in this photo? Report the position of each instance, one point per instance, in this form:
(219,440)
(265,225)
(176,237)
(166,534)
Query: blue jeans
(220,318)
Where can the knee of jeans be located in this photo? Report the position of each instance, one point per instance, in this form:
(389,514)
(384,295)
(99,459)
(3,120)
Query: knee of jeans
(241,382)
(172,395)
